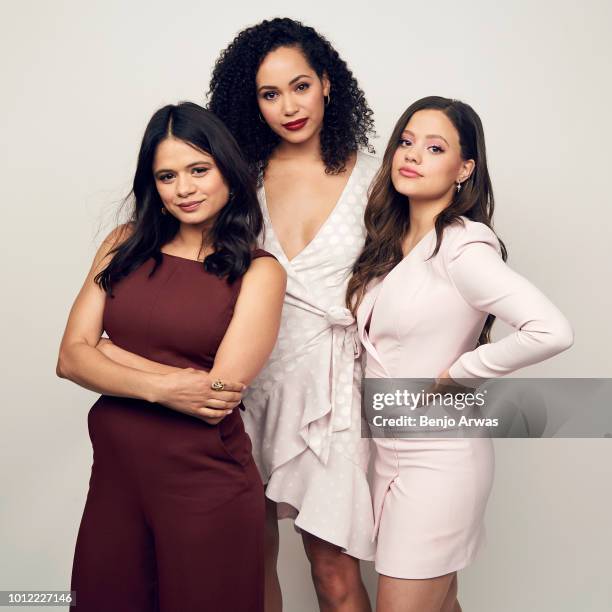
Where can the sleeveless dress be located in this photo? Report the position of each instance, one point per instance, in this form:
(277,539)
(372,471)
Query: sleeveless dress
(174,515)
(304,409)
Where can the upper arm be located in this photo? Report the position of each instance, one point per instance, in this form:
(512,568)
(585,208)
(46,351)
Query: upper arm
(85,318)
(487,283)
(252,332)
(479,274)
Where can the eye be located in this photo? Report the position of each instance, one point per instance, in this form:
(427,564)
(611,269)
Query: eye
(164,178)
(269,95)
(404,142)
(302,87)
(437,149)
(200,171)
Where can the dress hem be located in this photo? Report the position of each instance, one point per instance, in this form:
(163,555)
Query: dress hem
(302,527)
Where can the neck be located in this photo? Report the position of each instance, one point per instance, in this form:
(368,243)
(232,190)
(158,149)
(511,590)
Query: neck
(423,213)
(193,240)
(304,151)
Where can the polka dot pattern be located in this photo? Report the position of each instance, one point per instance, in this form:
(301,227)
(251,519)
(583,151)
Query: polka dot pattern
(303,411)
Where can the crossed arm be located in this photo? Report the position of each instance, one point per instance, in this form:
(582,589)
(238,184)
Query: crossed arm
(248,341)
(244,350)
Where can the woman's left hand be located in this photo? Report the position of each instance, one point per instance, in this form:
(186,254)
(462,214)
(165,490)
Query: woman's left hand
(444,383)
(445,379)
(445,374)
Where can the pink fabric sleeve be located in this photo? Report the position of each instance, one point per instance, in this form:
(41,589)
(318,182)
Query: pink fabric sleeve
(479,274)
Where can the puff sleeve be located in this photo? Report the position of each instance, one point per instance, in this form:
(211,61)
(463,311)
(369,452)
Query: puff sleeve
(474,265)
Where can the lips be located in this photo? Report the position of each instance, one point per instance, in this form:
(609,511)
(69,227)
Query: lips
(189,206)
(295,125)
(410,173)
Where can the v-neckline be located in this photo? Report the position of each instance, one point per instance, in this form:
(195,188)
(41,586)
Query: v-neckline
(415,247)
(321,227)
(368,319)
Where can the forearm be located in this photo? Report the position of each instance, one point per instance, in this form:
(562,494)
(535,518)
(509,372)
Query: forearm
(245,350)
(89,368)
(237,369)
(530,344)
(132,360)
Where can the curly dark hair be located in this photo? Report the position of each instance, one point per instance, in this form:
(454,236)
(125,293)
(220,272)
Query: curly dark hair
(347,123)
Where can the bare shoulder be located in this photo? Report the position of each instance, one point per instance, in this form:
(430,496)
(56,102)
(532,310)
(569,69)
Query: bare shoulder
(112,242)
(119,235)
(266,270)
(263,285)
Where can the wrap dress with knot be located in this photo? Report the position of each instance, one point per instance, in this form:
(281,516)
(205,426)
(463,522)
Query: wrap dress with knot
(303,412)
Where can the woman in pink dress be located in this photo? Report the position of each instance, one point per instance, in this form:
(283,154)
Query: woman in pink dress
(426,288)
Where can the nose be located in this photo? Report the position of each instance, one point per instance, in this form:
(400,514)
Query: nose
(184,185)
(290,106)
(411,154)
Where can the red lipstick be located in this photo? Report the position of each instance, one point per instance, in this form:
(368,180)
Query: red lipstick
(298,124)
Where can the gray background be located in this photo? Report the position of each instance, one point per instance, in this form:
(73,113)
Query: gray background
(79,82)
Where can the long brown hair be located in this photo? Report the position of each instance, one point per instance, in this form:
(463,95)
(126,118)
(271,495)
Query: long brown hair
(387,217)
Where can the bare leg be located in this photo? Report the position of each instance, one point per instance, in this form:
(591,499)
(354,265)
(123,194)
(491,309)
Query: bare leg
(429,595)
(336,577)
(450,603)
(273,595)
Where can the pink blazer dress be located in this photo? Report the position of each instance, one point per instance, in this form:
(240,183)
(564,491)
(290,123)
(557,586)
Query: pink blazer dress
(425,316)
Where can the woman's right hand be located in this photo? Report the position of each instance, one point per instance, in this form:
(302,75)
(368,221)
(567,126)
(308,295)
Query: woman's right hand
(189,391)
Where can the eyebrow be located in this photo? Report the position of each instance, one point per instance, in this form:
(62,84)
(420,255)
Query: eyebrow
(198,163)
(291,82)
(428,136)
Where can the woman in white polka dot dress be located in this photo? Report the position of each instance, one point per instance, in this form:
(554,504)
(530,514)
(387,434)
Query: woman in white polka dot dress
(302,127)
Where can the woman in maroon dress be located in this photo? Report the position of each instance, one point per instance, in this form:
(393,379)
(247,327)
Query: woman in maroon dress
(174,516)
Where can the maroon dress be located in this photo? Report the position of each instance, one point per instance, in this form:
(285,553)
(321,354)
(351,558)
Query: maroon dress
(174,517)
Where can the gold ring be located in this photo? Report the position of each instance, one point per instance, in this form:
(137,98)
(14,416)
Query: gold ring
(217,385)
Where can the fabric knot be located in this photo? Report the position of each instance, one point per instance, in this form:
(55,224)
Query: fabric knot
(337,315)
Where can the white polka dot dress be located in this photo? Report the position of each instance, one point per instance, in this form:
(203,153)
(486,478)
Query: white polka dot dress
(303,411)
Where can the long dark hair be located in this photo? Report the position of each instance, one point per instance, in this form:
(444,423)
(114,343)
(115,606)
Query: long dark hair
(347,122)
(234,233)
(387,218)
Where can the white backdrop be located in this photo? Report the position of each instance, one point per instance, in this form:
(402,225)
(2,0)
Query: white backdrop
(79,83)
